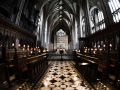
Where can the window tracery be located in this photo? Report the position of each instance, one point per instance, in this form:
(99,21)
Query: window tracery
(97,20)
(60,33)
(115,9)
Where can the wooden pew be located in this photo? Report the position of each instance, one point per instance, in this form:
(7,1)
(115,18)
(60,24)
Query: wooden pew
(4,77)
(87,67)
(20,64)
(35,57)
(36,68)
(100,61)
(10,58)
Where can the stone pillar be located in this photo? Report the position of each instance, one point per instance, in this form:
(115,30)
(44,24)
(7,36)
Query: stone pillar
(87,18)
(20,12)
(79,18)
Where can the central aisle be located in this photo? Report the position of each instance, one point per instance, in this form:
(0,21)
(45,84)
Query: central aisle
(62,75)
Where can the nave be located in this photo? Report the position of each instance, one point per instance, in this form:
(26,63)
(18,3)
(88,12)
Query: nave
(39,71)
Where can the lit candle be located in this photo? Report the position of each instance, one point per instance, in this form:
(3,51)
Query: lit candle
(18,45)
(12,44)
(110,45)
(104,45)
(98,46)
(28,47)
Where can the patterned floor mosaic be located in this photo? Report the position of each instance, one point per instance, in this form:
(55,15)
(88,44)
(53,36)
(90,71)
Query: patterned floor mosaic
(62,76)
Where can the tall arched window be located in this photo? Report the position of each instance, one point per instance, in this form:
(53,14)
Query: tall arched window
(115,9)
(101,20)
(97,20)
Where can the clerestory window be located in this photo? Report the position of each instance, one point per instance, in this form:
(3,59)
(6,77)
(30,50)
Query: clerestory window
(101,22)
(115,9)
(97,20)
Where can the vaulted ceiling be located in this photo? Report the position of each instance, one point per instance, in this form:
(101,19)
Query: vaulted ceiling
(61,13)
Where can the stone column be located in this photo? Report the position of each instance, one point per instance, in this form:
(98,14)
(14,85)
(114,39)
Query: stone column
(87,18)
(20,12)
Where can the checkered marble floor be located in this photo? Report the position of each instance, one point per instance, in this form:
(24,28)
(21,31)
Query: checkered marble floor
(62,76)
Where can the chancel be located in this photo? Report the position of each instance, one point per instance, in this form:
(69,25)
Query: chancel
(59,44)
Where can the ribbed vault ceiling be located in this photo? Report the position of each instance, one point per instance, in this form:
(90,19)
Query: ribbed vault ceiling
(60,14)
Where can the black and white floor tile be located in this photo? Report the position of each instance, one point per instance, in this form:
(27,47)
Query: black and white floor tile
(62,76)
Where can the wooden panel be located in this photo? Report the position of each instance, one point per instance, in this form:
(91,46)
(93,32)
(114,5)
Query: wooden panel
(3,77)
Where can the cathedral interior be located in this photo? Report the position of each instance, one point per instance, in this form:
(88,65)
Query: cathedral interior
(59,44)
